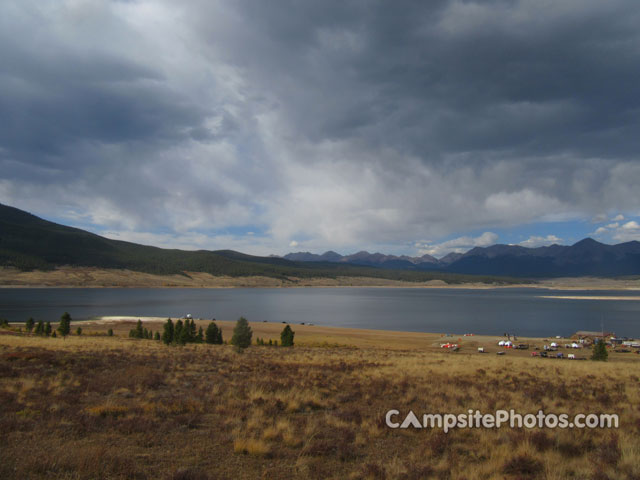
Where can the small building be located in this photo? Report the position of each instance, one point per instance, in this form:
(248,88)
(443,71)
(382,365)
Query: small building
(584,336)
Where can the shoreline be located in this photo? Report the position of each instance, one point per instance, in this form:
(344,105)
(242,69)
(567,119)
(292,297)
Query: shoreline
(463,286)
(90,277)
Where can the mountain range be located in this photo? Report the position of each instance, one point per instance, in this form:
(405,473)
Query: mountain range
(585,258)
(28,243)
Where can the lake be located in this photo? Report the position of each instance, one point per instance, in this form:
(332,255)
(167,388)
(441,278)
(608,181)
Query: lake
(494,311)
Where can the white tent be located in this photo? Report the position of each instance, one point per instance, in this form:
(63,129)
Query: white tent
(501,343)
(575,345)
(554,345)
(508,343)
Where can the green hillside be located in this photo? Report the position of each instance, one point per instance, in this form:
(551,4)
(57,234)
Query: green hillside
(31,243)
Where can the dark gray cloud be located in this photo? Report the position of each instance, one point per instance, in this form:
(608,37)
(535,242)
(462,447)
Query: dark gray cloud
(333,123)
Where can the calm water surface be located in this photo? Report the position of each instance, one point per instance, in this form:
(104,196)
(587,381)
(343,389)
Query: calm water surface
(495,311)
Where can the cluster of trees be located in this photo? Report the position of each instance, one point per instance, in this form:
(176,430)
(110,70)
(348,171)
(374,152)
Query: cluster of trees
(42,329)
(139,332)
(286,338)
(213,335)
(182,332)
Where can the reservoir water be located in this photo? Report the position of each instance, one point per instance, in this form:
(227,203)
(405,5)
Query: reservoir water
(492,311)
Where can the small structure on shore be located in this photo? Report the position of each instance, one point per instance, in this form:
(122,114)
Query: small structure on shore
(584,336)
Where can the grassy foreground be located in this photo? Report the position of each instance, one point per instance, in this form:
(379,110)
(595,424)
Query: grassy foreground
(113,407)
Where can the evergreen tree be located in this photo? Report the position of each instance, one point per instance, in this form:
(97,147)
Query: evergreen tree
(185,335)
(211,335)
(139,332)
(79,331)
(241,334)
(200,335)
(40,328)
(286,337)
(145,333)
(167,334)
(193,332)
(157,336)
(178,331)
(65,324)
(110,332)
(29,324)
(47,329)
(53,335)
(600,351)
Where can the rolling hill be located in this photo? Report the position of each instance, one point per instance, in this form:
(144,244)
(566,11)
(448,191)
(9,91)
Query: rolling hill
(28,242)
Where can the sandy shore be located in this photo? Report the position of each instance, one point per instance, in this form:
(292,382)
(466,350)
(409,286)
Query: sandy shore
(591,297)
(88,277)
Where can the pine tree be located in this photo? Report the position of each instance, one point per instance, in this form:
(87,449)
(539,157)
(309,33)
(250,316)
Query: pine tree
(110,332)
(79,331)
(53,335)
(600,351)
(139,332)
(185,335)
(47,329)
(29,324)
(286,337)
(211,335)
(242,334)
(65,324)
(40,328)
(193,332)
(178,331)
(167,334)
(200,335)
(156,336)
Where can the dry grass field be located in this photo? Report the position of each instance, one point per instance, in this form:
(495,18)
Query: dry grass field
(113,407)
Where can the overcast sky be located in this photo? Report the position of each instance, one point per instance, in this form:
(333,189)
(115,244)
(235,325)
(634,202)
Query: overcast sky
(269,127)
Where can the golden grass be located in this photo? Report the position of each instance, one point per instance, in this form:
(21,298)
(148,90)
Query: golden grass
(111,407)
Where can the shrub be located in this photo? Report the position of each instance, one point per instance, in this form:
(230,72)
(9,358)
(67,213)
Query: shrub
(79,331)
(242,334)
(110,332)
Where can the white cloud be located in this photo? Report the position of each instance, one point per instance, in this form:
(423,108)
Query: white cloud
(459,245)
(615,232)
(293,243)
(618,218)
(537,241)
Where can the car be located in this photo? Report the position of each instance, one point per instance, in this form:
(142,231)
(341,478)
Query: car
(500,352)
(543,354)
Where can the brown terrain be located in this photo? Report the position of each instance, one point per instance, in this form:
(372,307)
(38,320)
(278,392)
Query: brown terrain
(93,406)
(96,277)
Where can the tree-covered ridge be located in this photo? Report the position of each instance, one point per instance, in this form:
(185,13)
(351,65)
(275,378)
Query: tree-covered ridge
(31,243)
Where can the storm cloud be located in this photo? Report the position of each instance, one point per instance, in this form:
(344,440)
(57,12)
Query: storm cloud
(335,124)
